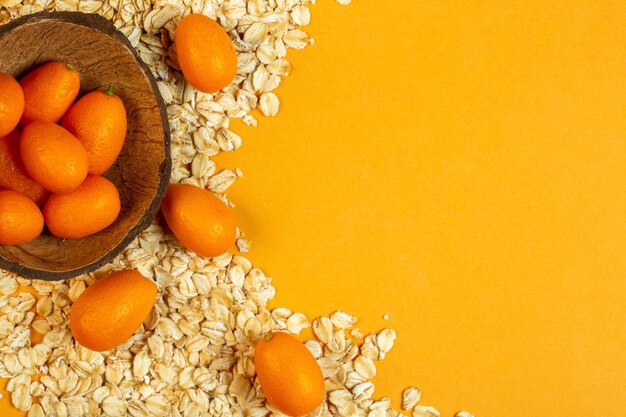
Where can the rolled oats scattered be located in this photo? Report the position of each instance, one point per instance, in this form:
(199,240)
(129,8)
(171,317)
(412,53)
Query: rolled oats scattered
(363,391)
(301,15)
(272,83)
(36,411)
(222,181)
(365,367)
(385,340)
(410,398)
(315,348)
(141,364)
(323,329)
(76,289)
(342,320)
(243,245)
(377,412)
(297,322)
(8,284)
(356,334)
(227,140)
(425,411)
(114,406)
(384,403)
(256,33)
(157,405)
(20,397)
(266,54)
(296,39)
(463,414)
(202,167)
(339,397)
(269,104)
(279,67)
(369,348)
(260,77)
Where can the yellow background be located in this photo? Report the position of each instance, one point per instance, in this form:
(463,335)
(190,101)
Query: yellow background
(460,166)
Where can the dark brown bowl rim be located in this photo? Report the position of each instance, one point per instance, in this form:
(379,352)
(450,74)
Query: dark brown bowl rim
(95,21)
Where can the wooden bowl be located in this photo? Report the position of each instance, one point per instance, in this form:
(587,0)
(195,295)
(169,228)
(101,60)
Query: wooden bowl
(141,173)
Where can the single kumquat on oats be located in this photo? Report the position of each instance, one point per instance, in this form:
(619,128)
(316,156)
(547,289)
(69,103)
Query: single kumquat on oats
(201,221)
(205,52)
(290,376)
(110,310)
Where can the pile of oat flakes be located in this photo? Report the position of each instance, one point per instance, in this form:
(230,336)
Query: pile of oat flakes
(195,351)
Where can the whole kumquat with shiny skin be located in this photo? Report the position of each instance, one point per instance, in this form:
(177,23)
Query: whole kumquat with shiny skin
(13,175)
(110,310)
(290,377)
(98,120)
(53,157)
(11,103)
(49,91)
(206,53)
(20,218)
(201,221)
(90,208)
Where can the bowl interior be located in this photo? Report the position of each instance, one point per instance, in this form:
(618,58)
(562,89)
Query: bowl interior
(141,172)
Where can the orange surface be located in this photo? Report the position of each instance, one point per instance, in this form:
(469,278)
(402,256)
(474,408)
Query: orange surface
(458,165)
